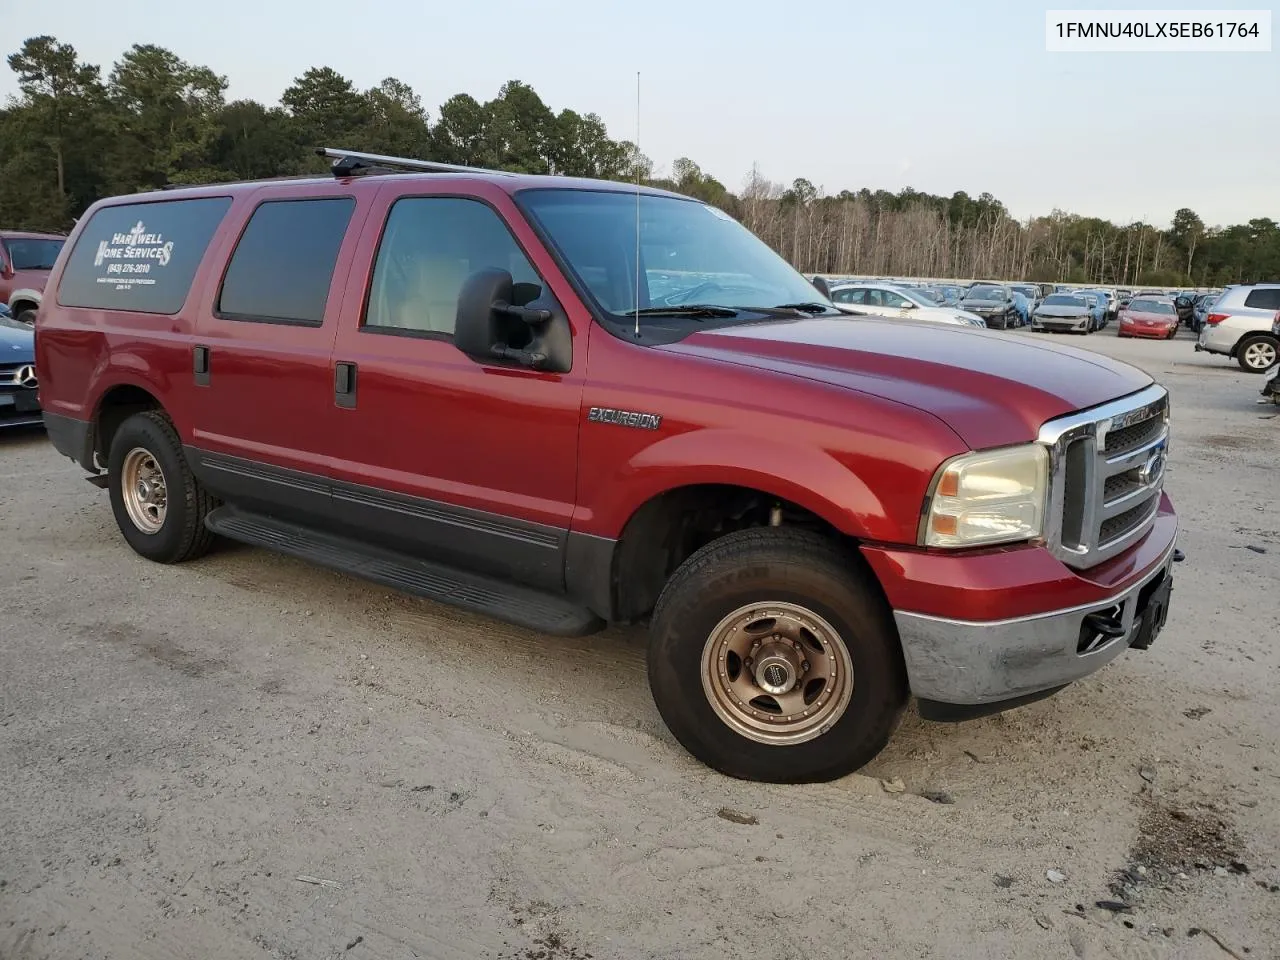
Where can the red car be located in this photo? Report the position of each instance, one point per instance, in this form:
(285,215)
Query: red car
(484,389)
(25,262)
(1151,318)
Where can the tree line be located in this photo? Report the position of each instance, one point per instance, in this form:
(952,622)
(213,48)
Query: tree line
(73,135)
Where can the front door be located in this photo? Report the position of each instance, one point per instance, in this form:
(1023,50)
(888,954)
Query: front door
(435,453)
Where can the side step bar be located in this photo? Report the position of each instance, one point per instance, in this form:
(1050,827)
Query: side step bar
(522,606)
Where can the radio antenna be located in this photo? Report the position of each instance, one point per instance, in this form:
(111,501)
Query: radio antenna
(636,162)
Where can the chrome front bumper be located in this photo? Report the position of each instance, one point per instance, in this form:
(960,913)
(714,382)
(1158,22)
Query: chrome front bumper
(970,662)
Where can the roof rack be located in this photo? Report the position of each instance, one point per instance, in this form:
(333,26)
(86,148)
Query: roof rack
(354,163)
(227,183)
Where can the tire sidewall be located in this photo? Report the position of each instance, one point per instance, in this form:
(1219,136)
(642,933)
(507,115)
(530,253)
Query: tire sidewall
(140,430)
(675,676)
(1244,347)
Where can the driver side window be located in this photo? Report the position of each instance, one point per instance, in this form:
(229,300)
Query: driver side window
(893,300)
(429,247)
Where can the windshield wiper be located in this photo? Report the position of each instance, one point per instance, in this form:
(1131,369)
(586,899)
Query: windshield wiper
(805,307)
(684,310)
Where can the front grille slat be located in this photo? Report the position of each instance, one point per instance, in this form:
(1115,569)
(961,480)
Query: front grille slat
(1107,476)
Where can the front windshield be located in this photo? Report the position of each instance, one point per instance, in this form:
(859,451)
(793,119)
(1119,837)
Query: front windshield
(27,254)
(1062,300)
(927,296)
(986,293)
(690,253)
(1031,292)
(1150,306)
(919,296)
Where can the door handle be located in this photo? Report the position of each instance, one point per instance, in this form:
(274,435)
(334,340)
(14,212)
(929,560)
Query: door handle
(344,384)
(200,365)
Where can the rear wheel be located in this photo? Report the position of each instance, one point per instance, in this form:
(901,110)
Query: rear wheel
(1257,353)
(158,503)
(773,658)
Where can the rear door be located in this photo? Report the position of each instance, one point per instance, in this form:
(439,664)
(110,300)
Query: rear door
(435,453)
(264,389)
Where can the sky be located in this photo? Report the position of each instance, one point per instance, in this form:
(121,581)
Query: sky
(937,95)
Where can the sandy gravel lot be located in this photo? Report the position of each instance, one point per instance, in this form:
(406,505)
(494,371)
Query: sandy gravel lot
(181,745)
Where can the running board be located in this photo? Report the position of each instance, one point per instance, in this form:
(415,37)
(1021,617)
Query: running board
(522,606)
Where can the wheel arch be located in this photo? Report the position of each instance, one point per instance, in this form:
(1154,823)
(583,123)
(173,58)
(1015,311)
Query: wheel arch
(115,404)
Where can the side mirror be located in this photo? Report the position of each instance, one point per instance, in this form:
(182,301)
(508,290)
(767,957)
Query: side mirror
(491,327)
(820,284)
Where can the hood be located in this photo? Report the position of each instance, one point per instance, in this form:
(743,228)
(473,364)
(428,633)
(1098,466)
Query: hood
(17,342)
(991,389)
(1148,317)
(987,305)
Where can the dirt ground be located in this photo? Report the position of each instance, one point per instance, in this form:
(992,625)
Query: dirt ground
(249,757)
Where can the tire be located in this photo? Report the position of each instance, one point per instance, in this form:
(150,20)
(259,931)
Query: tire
(782,569)
(1257,353)
(180,533)
(27,316)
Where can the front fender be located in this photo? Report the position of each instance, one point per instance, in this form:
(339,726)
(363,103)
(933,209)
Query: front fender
(805,475)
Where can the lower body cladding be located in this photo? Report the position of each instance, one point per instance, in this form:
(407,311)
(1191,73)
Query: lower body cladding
(960,669)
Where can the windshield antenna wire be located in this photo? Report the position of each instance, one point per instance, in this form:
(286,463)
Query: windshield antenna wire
(636,161)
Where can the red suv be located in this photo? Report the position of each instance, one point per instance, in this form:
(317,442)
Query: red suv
(25,262)
(568,402)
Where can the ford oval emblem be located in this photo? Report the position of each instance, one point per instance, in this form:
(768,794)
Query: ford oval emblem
(1152,470)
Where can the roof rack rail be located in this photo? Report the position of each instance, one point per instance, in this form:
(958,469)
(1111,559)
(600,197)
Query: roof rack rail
(228,183)
(354,163)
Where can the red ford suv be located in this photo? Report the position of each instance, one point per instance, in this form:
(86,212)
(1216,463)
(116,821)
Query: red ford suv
(568,402)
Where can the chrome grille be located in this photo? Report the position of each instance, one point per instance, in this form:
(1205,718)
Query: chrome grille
(1106,476)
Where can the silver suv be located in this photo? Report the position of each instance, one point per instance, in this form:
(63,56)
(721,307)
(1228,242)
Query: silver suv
(1240,325)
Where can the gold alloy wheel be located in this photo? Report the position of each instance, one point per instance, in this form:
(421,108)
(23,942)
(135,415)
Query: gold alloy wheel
(143,489)
(777,673)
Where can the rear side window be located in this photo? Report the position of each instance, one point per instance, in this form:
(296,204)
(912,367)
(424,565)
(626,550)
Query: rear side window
(282,267)
(429,248)
(1266,299)
(140,257)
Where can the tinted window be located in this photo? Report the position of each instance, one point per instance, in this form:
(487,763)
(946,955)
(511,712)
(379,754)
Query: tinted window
(140,256)
(283,265)
(892,300)
(429,248)
(29,254)
(849,295)
(1264,299)
(1063,300)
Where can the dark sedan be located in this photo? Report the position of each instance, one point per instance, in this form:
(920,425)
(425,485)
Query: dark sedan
(993,303)
(1063,313)
(19,404)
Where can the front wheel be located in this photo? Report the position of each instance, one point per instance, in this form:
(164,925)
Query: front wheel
(773,658)
(158,503)
(1257,354)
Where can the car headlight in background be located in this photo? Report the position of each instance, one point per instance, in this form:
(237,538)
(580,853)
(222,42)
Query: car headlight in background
(994,496)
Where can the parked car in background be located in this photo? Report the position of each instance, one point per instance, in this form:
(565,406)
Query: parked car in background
(1148,317)
(993,303)
(19,398)
(1097,308)
(1201,310)
(1063,313)
(1033,295)
(887,300)
(1045,289)
(1239,326)
(25,262)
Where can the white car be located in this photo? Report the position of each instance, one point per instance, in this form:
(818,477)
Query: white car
(886,300)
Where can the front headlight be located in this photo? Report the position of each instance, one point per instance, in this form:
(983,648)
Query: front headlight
(994,496)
